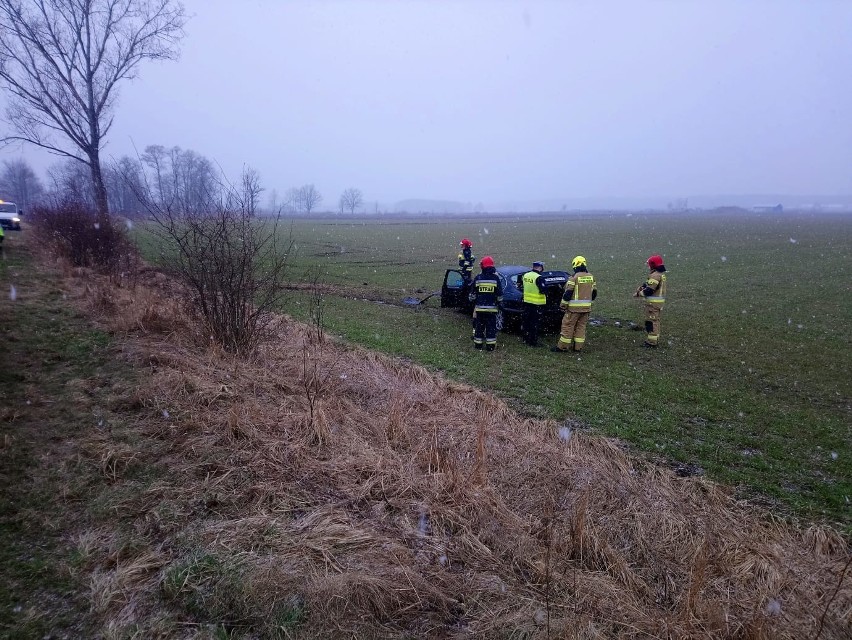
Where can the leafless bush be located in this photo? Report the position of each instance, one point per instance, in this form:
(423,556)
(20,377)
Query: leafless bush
(316,378)
(76,232)
(234,264)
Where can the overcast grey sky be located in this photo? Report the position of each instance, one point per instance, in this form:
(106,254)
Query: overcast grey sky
(494,101)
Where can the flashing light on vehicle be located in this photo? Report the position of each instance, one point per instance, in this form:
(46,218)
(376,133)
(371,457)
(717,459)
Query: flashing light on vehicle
(16,219)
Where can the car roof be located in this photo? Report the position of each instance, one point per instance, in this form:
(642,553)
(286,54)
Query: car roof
(514,270)
(511,270)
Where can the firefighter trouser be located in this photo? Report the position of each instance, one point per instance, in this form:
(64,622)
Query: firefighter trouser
(652,324)
(485,328)
(573,333)
(532,318)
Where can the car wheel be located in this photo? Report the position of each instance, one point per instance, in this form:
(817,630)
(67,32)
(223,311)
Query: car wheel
(501,320)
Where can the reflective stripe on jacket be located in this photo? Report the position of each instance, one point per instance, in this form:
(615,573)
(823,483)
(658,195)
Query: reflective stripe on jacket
(466,260)
(532,294)
(578,292)
(486,291)
(656,282)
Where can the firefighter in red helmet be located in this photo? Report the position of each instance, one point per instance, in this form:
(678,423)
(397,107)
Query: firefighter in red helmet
(486,294)
(466,259)
(653,290)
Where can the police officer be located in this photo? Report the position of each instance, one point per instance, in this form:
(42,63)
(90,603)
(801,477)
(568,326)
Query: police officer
(653,290)
(534,301)
(466,259)
(580,290)
(485,293)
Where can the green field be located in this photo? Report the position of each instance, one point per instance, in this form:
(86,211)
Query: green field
(751,384)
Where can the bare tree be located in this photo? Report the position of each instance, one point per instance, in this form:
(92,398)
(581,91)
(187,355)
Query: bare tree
(70,181)
(250,189)
(293,200)
(181,179)
(123,179)
(61,61)
(351,199)
(155,158)
(310,197)
(20,184)
(194,184)
(273,204)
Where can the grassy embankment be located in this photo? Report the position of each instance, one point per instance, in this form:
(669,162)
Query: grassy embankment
(56,376)
(165,490)
(751,385)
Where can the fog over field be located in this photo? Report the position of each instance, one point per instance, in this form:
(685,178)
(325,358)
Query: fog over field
(509,105)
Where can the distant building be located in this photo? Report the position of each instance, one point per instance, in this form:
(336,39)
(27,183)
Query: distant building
(768,208)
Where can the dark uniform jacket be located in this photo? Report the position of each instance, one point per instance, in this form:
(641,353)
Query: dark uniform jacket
(486,291)
(466,259)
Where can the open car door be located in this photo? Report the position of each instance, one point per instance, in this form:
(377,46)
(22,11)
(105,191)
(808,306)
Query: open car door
(554,282)
(454,290)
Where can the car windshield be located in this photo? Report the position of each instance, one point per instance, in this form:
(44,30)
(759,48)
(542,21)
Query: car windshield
(8,207)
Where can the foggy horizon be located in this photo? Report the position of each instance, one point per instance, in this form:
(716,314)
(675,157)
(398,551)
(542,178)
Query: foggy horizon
(509,102)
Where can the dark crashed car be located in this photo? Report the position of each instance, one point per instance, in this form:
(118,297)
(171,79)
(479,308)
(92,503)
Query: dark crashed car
(454,293)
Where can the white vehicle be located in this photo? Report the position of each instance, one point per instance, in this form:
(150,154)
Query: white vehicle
(10,216)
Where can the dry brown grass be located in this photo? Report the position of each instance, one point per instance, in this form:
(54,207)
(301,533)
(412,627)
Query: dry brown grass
(322,490)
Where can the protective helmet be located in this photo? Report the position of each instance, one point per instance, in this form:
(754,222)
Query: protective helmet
(487,261)
(538,263)
(466,243)
(579,261)
(655,261)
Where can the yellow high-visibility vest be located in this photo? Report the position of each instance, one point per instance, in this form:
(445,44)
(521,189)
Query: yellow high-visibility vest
(531,292)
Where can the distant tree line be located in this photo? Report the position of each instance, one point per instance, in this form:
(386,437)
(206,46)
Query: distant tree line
(20,184)
(167,177)
(304,199)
